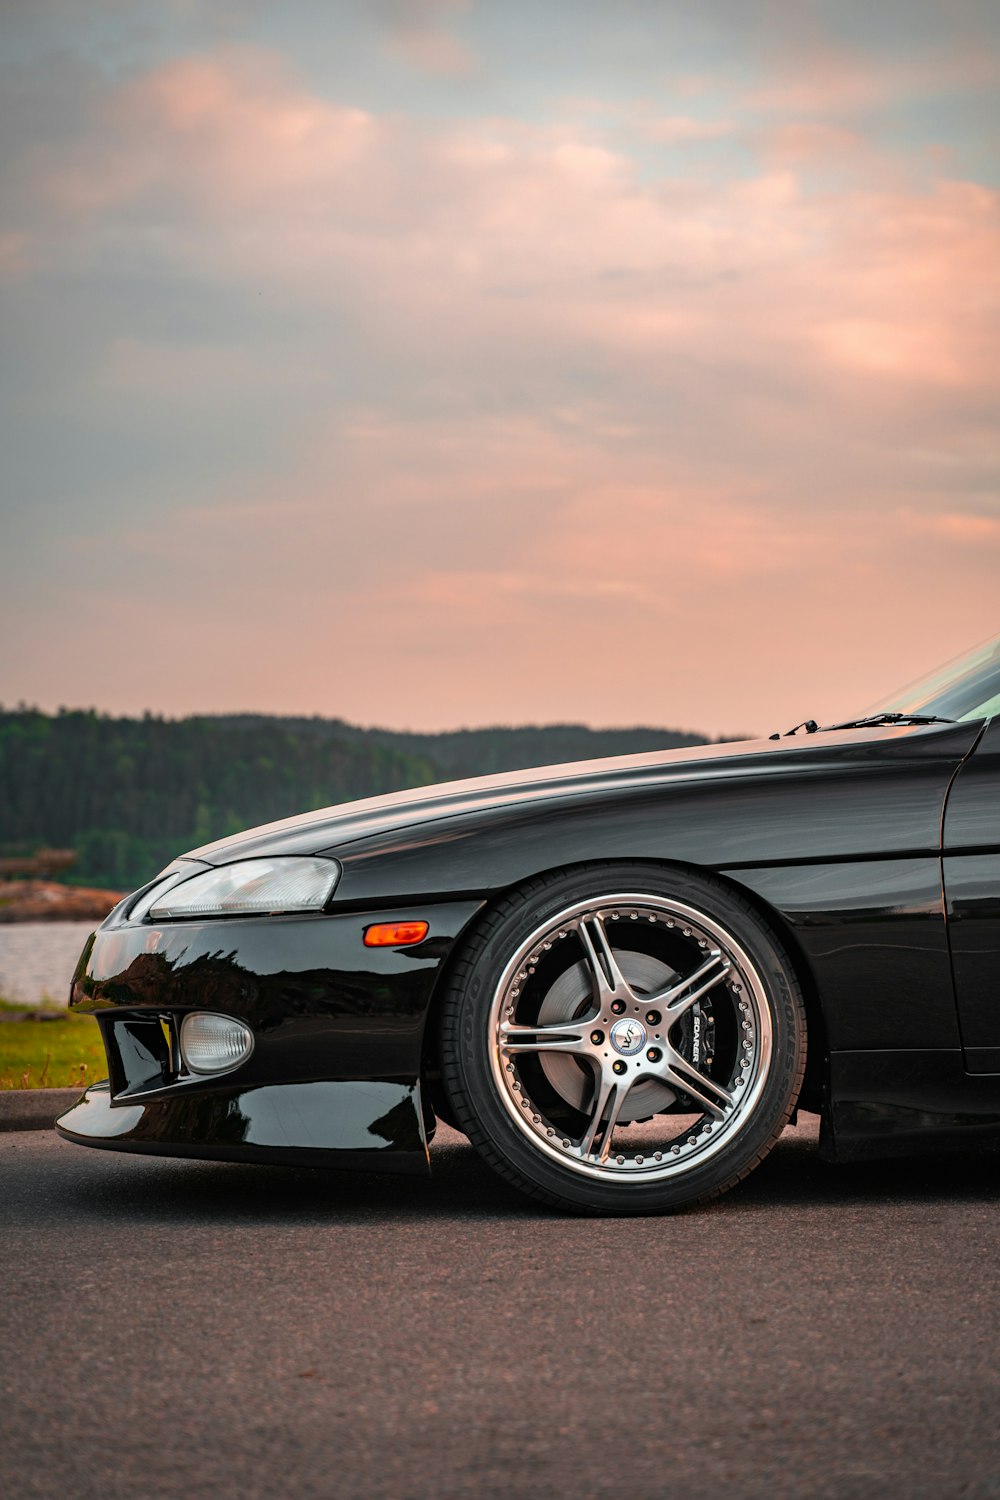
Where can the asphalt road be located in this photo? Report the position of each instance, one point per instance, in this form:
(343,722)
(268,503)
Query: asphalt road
(179,1329)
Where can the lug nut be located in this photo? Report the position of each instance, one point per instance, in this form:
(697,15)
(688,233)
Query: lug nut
(619,1066)
(618,1007)
(654,1054)
(652,1018)
(597,1037)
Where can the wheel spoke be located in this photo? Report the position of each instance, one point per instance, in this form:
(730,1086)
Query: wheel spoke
(713,1098)
(609,1097)
(563,1037)
(682,995)
(608,980)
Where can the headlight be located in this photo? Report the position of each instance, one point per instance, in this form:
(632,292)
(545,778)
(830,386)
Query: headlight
(250,886)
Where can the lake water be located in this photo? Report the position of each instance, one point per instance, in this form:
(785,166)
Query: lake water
(37,959)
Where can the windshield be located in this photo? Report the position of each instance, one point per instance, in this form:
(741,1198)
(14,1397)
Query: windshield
(967,688)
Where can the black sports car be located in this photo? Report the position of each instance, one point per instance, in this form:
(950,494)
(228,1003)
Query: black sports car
(618,978)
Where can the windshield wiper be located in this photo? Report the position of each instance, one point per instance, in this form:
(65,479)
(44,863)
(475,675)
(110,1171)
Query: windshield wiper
(875,719)
(870,722)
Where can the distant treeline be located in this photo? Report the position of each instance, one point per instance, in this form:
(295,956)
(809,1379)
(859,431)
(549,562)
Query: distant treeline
(130,794)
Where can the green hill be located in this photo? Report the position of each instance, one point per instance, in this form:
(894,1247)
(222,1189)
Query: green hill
(129,794)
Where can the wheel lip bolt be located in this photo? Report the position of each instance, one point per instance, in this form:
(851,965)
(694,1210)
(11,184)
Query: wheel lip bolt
(654,1054)
(597,1037)
(619,1066)
(618,1007)
(653,1018)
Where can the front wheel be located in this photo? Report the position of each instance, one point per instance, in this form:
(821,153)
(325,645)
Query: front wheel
(623,1038)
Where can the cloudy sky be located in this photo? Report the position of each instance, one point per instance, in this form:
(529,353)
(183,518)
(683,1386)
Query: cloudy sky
(433,363)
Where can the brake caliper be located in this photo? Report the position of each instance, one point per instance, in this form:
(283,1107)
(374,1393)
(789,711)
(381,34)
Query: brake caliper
(697,1036)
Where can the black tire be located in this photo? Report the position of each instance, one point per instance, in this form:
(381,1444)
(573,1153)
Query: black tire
(538,1118)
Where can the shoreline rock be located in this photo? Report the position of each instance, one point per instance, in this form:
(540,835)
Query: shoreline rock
(48,901)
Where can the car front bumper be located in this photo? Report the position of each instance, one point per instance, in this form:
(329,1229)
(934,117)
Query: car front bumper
(336,1076)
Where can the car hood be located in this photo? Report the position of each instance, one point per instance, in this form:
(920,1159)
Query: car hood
(331,828)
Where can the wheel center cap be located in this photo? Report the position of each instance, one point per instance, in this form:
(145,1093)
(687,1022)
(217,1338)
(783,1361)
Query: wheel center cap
(628,1037)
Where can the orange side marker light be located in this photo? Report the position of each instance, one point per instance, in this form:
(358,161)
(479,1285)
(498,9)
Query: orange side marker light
(395,934)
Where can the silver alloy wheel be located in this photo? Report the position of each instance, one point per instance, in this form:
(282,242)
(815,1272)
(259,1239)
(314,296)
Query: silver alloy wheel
(618,1028)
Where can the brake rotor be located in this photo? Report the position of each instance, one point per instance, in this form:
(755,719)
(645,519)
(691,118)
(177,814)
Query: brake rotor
(570,997)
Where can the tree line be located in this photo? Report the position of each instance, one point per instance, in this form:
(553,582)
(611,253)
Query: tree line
(128,794)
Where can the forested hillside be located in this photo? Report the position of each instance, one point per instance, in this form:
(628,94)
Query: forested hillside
(481,752)
(129,794)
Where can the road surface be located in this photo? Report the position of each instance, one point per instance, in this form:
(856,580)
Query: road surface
(186,1329)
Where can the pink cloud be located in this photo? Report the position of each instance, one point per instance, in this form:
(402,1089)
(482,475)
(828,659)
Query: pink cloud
(801,143)
(515,565)
(956,526)
(832,81)
(15,253)
(417,33)
(524,573)
(222,133)
(673,130)
(484,238)
(750,415)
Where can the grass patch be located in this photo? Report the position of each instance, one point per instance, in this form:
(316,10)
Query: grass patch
(61,1054)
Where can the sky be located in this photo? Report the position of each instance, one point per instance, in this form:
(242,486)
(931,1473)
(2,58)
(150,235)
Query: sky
(428,363)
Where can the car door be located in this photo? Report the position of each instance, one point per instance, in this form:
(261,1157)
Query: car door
(972,894)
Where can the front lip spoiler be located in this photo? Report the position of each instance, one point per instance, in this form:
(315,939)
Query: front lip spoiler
(368,1125)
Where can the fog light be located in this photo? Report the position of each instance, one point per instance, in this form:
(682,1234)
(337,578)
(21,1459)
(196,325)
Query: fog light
(214,1044)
